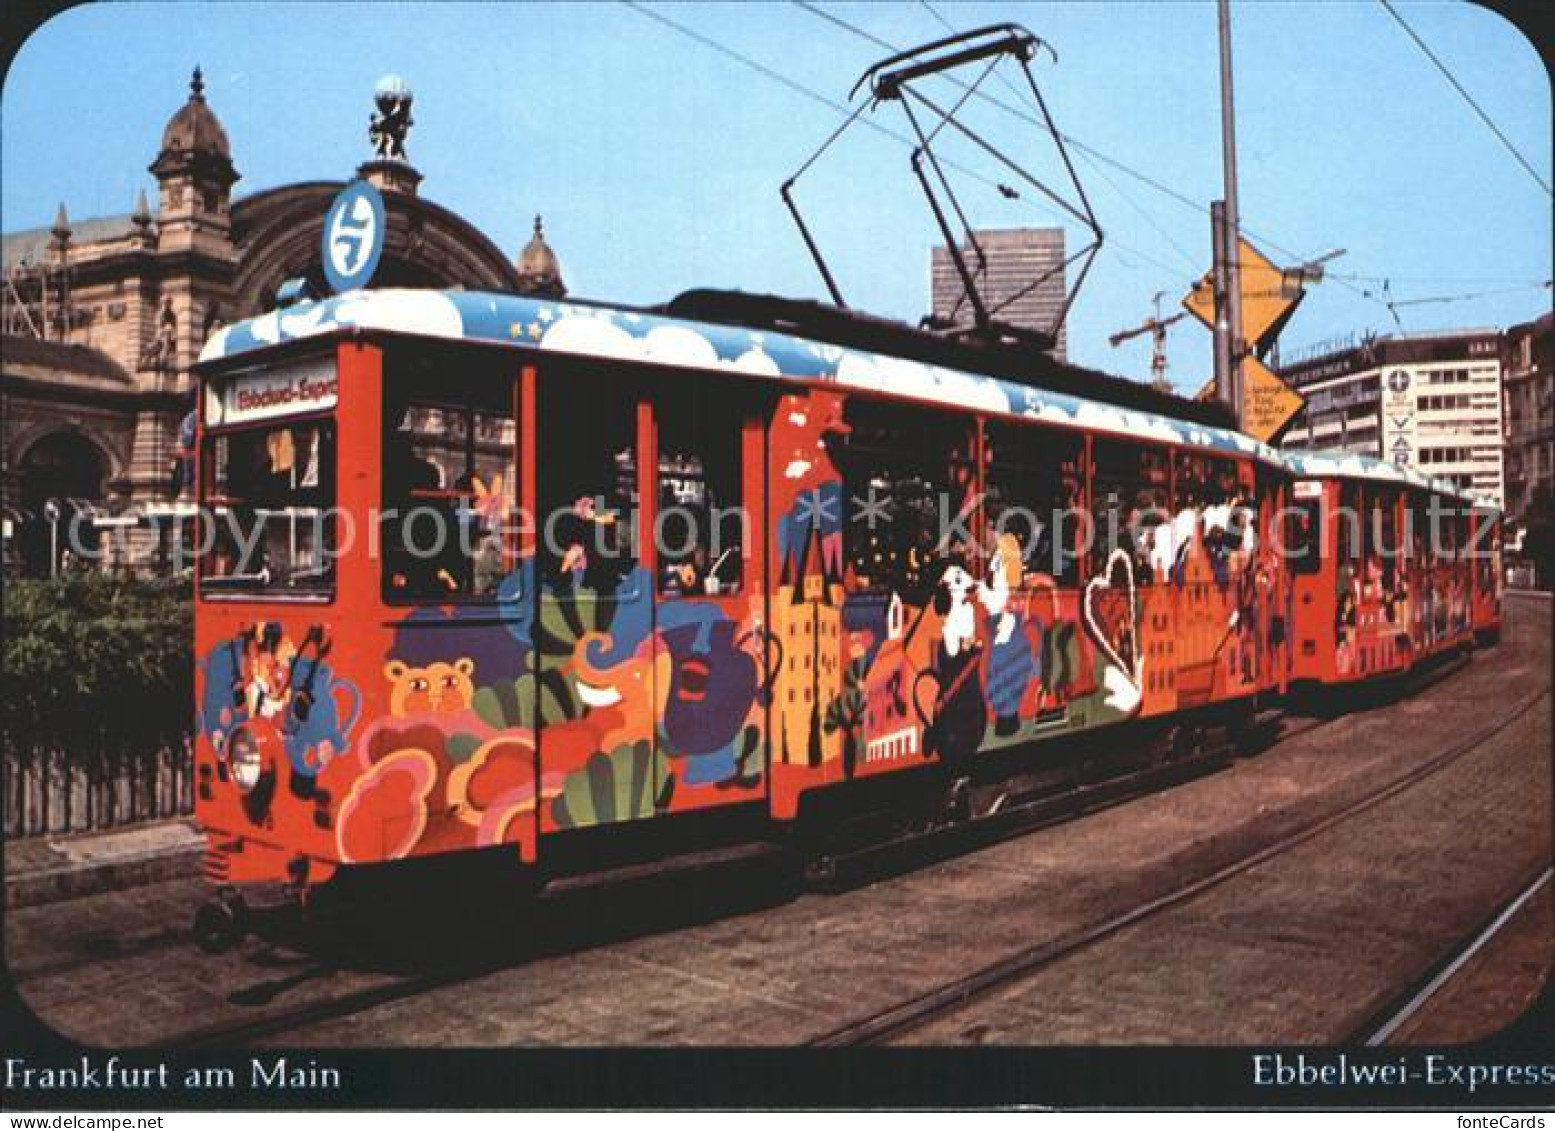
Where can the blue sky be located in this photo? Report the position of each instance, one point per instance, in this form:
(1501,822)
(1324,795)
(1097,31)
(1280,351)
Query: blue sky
(656,160)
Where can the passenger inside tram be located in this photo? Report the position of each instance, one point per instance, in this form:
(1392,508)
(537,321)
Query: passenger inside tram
(420,528)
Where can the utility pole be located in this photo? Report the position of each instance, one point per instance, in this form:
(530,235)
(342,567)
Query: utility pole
(1220,328)
(1231,226)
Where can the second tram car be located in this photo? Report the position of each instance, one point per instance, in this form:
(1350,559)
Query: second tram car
(1388,568)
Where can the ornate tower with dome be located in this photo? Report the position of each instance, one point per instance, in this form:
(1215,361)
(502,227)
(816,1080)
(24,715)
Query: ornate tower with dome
(195,171)
(539,271)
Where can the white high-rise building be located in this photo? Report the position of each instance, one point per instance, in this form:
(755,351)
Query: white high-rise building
(1430,401)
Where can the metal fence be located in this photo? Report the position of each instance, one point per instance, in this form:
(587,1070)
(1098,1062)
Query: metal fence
(51,792)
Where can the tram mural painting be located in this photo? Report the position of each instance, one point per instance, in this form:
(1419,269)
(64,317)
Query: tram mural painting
(892,613)
(263,674)
(634,712)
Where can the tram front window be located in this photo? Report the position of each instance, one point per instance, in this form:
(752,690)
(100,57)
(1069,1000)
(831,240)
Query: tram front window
(271,490)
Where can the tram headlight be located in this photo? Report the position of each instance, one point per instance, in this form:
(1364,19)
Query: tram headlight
(246,758)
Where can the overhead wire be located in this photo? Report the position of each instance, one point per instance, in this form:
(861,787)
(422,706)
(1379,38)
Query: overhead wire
(797,87)
(1092,157)
(1181,198)
(1091,153)
(1198,207)
(1467,97)
(1096,157)
(837,107)
(1474,295)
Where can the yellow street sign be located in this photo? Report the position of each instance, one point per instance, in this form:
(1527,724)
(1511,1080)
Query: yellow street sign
(1268,404)
(1268,298)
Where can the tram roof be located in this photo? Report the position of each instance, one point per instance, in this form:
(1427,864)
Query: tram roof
(625,334)
(1349,465)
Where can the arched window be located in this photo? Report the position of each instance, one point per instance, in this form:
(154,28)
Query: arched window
(67,468)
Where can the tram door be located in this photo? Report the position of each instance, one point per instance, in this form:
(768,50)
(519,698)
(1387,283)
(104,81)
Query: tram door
(599,686)
(703,539)
(1271,582)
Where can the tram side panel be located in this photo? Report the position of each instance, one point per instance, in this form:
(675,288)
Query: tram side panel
(904,645)
(1314,578)
(1381,644)
(1444,605)
(392,713)
(1485,565)
(1273,583)
(289,653)
(1394,583)
(582,677)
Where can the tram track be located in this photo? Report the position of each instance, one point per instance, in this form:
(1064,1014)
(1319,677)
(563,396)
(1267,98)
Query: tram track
(1085,801)
(250,1029)
(1403,1007)
(950,997)
(847,870)
(169,938)
(904,1016)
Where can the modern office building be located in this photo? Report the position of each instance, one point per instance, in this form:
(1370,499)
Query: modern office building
(1431,401)
(1021,279)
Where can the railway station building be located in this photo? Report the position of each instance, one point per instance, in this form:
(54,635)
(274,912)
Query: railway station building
(103,318)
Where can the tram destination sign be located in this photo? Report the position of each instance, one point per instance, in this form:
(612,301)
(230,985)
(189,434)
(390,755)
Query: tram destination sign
(310,386)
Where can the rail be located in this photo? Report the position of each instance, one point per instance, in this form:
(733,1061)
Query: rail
(918,1011)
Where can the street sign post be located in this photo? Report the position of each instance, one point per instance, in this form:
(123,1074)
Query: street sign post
(1268,404)
(1268,301)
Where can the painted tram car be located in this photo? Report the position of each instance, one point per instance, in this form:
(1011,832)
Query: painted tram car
(1410,570)
(803,620)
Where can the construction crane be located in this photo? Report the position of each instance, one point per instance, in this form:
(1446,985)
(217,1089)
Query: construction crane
(1156,327)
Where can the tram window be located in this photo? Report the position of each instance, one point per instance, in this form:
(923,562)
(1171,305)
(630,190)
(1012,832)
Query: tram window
(905,474)
(1032,486)
(1481,536)
(448,477)
(1412,537)
(1455,524)
(1351,528)
(588,479)
(1441,528)
(270,492)
(1484,548)
(1208,494)
(1304,534)
(700,525)
(1129,505)
(1384,530)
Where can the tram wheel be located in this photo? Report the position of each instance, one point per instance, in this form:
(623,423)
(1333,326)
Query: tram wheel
(1184,741)
(218,926)
(1247,737)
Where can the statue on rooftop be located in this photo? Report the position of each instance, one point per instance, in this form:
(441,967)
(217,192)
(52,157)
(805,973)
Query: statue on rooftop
(390,123)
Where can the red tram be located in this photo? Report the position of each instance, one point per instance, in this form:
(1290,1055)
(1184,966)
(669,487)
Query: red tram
(1408,568)
(713,565)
